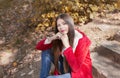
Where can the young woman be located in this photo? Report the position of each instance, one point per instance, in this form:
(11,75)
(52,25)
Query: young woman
(68,50)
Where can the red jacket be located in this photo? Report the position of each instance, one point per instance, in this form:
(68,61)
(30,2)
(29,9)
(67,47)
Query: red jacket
(79,61)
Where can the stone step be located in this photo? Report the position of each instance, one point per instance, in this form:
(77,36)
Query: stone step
(117,36)
(96,73)
(105,67)
(111,50)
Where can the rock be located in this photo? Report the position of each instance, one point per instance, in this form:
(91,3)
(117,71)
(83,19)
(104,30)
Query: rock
(6,58)
(117,36)
(22,74)
(31,72)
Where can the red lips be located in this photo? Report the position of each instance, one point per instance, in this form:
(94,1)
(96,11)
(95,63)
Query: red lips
(62,30)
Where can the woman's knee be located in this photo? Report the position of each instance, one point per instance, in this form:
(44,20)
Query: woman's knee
(46,55)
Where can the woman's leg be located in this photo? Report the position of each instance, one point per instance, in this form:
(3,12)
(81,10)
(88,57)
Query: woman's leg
(46,60)
(67,75)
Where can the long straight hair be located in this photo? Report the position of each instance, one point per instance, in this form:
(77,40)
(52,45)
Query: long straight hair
(57,44)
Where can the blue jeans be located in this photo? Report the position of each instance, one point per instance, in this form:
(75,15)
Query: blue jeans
(67,75)
(46,61)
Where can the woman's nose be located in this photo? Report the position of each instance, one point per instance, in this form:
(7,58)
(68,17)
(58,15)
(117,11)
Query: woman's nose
(61,27)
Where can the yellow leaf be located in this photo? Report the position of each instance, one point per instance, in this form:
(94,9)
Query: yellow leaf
(94,8)
(52,14)
(39,25)
(67,9)
(46,24)
(42,28)
(48,15)
(15,64)
(43,15)
(60,2)
(37,29)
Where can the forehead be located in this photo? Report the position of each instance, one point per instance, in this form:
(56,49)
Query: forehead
(60,21)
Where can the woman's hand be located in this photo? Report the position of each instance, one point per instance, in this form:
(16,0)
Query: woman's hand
(65,40)
(63,37)
(56,36)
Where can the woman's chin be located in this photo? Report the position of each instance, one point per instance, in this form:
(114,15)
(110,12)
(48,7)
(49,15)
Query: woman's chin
(63,32)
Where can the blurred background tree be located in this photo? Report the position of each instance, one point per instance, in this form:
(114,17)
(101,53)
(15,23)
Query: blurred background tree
(81,10)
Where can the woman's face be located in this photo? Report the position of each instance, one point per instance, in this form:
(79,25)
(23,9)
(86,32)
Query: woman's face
(62,26)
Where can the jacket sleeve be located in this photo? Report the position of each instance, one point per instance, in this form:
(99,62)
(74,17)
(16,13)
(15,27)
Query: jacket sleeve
(41,46)
(76,59)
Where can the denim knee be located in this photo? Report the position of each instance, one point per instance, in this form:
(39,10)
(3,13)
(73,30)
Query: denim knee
(45,63)
(46,55)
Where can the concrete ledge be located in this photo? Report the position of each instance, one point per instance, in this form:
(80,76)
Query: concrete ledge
(105,67)
(110,50)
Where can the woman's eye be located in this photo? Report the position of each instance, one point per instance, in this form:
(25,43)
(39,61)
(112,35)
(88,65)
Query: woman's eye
(58,25)
(64,23)
(61,24)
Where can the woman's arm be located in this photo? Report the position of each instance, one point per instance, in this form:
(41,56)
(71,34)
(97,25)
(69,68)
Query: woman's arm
(41,45)
(47,42)
(76,59)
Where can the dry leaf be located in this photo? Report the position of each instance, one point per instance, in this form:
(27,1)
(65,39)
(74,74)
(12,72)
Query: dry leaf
(15,64)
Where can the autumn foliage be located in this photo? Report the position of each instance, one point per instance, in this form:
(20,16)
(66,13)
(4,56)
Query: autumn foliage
(80,10)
